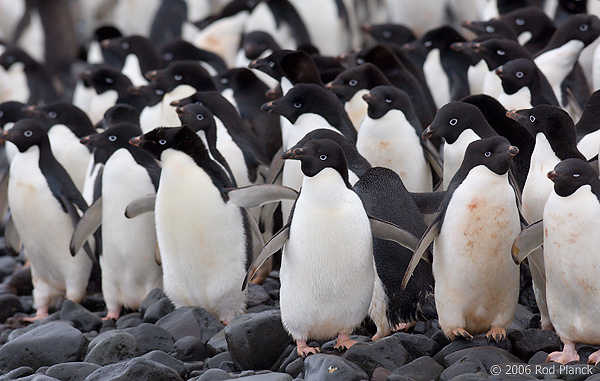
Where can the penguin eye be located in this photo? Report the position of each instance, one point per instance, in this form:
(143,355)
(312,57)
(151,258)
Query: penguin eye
(323,157)
(125,45)
(519,74)
(10,59)
(500,52)
(297,104)
(168,56)
(109,80)
(532,118)
(360,61)
(353,82)
(162,142)
(520,22)
(575,175)
(583,27)
(52,114)
(178,77)
(224,81)
(386,34)
(112,138)
(28,133)
(490,29)
(159,92)
(487,154)
(388,100)
(199,116)
(428,44)
(453,121)
(198,102)
(271,63)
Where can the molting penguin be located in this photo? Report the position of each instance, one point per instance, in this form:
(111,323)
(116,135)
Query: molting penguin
(44,204)
(205,243)
(524,85)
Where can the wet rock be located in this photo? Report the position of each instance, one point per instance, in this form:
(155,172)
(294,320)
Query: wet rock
(478,341)
(191,321)
(48,344)
(487,355)
(256,341)
(189,348)
(437,335)
(321,367)
(418,345)
(524,318)
(465,365)
(387,353)
(136,369)
(268,377)
(527,342)
(72,371)
(151,337)
(158,310)
(538,358)
(422,369)
(295,367)
(8,265)
(81,318)
(216,361)
(167,360)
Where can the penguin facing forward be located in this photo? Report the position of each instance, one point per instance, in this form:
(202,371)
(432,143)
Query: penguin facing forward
(476,282)
(205,242)
(129,250)
(45,204)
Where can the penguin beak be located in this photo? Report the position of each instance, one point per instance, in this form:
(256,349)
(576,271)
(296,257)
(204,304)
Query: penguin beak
(151,75)
(87,140)
(513,151)
(273,94)
(514,115)
(367,98)
(552,175)
(136,141)
(135,90)
(30,110)
(268,107)
(293,153)
(476,47)
(176,103)
(499,72)
(105,43)
(254,64)
(428,133)
(366,27)
(3,136)
(180,111)
(458,46)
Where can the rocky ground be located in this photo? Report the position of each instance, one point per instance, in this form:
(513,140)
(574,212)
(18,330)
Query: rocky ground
(163,343)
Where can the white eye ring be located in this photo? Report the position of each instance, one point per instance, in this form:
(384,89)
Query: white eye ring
(386,34)
(360,61)
(388,100)
(487,154)
(490,29)
(453,121)
(532,118)
(520,22)
(159,92)
(109,80)
(575,174)
(178,77)
(353,82)
(125,45)
(112,138)
(199,116)
(428,44)
(52,114)
(297,104)
(500,52)
(168,56)
(519,74)
(271,63)
(224,80)
(162,142)
(323,157)
(28,133)
(583,27)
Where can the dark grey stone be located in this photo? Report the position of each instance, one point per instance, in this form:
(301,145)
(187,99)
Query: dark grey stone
(418,345)
(37,377)
(538,358)
(129,321)
(152,297)
(213,375)
(151,337)
(268,377)
(471,377)
(112,347)
(194,366)
(136,369)
(487,355)
(478,341)
(295,367)
(191,321)
(322,367)
(422,369)
(256,341)
(72,371)
(229,367)
(8,265)
(48,344)
(524,318)
(437,335)
(189,348)
(257,296)
(387,353)
(217,344)
(158,310)
(167,360)
(527,342)
(261,308)
(215,361)
(17,373)
(465,365)
(10,304)
(82,319)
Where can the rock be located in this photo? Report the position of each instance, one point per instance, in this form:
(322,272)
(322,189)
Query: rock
(213,375)
(108,325)
(151,337)
(19,282)
(471,377)
(8,265)
(167,360)
(538,358)
(422,369)
(10,304)
(191,321)
(465,365)
(257,296)
(217,344)
(152,297)
(216,361)
(524,318)
(268,377)
(437,335)
(229,367)
(321,367)
(136,369)
(387,353)
(295,367)
(72,371)
(418,345)
(256,341)
(189,348)
(158,310)
(82,319)
(380,374)
(48,344)
(478,341)
(112,347)
(271,286)
(288,355)
(527,342)
(487,355)
(23,371)
(129,321)
(37,377)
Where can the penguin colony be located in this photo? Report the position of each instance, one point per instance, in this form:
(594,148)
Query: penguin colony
(420,151)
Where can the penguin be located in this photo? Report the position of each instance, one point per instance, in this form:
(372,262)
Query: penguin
(204,242)
(120,113)
(137,54)
(150,115)
(44,205)
(10,113)
(389,33)
(588,137)
(532,26)
(14,82)
(459,124)
(491,27)
(391,123)
(180,50)
(168,21)
(96,55)
(384,196)
(129,248)
(256,45)
(476,282)
(524,85)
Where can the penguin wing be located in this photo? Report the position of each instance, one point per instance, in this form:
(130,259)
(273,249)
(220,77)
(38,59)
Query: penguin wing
(392,232)
(253,196)
(275,243)
(275,168)
(527,241)
(11,235)
(140,206)
(431,232)
(433,157)
(428,202)
(86,226)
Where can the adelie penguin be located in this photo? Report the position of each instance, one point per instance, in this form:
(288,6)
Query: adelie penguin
(129,250)
(476,282)
(137,54)
(524,85)
(45,204)
(588,134)
(204,240)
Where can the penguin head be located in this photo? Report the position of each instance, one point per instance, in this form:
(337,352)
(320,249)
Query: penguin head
(196,116)
(176,50)
(573,6)
(382,99)
(61,113)
(113,138)
(497,52)
(517,74)
(452,119)
(490,27)
(121,113)
(495,153)
(161,139)
(389,33)
(552,121)
(350,81)
(257,43)
(318,154)
(271,64)
(11,112)
(301,99)
(582,27)
(236,78)
(103,78)
(119,46)
(182,73)
(528,19)
(151,93)
(13,55)
(25,134)
(571,174)
(440,38)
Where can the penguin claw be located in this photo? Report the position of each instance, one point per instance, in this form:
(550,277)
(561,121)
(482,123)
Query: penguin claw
(594,358)
(498,334)
(344,342)
(462,333)
(304,350)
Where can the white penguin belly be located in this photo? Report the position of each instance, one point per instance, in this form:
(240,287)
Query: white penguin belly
(492,85)
(357,108)
(150,117)
(132,70)
(101,103)
(168,115)
(83,97)
(588,146)
(476,75)
(436,78)
(70,153)
(477,283)
(557,63)
(454,154)
(232,154)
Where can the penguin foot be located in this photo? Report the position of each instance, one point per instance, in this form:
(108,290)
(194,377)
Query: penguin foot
(403,327)
(40,314)
(460,332)
(548,326)
(344,342)
(112,315)
(567,355)
(594,358)
(496,333)
(304,350)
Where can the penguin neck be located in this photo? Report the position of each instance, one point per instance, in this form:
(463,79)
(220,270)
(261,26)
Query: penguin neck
(325,182)
(557,63)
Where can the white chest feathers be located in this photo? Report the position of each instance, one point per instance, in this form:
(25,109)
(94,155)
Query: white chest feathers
(436,78)
(455,152)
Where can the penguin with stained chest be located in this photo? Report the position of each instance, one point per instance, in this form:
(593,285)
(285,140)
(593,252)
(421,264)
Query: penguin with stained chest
(476,282)
(129,249)
(45,204)
(205,242)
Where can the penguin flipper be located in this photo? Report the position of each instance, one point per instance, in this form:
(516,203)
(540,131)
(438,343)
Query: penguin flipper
(11,235)
(433,157)
(85,227)
(275,168)
(255,229)
(391,232)
(424,243)
(527,241)
(4,192)
(140,206)
(428,202)
(271,247)
(253,196)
